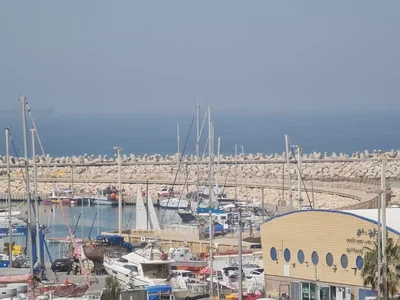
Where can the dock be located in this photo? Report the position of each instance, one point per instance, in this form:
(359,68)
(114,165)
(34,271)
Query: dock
(181,235)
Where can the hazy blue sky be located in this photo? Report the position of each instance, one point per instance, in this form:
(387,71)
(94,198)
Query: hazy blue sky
(260,56)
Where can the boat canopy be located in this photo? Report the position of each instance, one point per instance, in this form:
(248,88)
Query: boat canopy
(115,240)
(217,228)
(206,210)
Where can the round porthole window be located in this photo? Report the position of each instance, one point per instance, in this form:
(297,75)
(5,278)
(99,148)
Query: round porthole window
(314,258)
(359,262)
(344,261)
(286,254)
(273,253)
(300,256)
(329,259)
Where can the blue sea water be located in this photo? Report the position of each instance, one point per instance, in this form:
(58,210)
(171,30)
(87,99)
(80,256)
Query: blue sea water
(67,135)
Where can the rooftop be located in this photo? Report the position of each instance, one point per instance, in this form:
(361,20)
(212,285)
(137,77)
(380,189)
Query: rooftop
(392,216)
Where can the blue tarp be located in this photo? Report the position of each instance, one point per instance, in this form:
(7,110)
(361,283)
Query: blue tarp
(115,240)
(217,228)
(154,291)
(206,210)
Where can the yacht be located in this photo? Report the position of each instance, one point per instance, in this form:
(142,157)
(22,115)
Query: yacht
(144,267)
(174,203)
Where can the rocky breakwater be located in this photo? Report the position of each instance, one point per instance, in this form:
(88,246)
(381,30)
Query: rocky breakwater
(357,171)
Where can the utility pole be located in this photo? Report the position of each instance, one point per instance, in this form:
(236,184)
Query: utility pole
(9,197)
(288,171)
(300,198)
(384,232)
(240,256)
(119,191)
(28,190)
(35,197)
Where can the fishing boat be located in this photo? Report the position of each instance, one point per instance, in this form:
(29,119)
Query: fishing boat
(59,195)
(108,196)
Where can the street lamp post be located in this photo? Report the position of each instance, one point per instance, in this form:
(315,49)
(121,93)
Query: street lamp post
(119,191)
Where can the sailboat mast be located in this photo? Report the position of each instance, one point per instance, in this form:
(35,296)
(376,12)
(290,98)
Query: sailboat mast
(9,197)
(28,200)
(178,142)
(300,197)
(211,257)
(218,152)
(210,191)
(119,191)
(33,131)
(198,150)
(236,173)
(288,170)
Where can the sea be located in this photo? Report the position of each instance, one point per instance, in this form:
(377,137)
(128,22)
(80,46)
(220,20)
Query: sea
(68,135)
(340,132)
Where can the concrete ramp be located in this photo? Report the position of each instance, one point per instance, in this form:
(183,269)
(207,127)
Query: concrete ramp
(152,214)
(141,213)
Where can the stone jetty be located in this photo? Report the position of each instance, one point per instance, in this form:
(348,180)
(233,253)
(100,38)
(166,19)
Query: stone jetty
(358,171)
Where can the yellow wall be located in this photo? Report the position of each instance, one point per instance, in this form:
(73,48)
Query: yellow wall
(320,231)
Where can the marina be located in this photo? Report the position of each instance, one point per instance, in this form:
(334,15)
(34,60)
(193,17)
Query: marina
(196,151)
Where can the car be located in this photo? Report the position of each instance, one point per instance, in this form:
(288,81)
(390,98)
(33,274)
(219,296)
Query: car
(61,265)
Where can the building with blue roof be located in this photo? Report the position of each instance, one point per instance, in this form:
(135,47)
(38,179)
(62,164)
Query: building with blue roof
(310,253)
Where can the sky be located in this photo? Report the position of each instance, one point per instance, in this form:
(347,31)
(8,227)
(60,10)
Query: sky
(260,56)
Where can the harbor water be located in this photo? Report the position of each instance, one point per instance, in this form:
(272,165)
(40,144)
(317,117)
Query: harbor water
(93,220)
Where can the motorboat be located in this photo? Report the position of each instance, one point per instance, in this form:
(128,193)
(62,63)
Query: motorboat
(60,195)
(186,281)
(167,192)
(174,203)
(184,259)
(108,196)
(141,268)
(4,212)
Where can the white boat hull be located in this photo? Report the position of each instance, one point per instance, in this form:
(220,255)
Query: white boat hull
(126,277)
(13,213)
(103,201)
(174,203)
